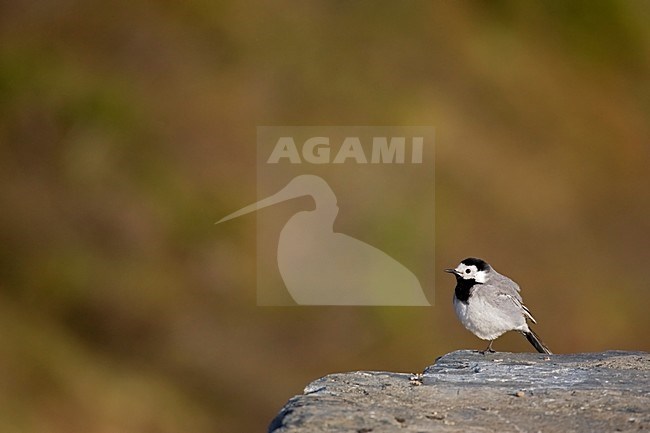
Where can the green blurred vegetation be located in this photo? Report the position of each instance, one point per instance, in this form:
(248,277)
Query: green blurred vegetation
(128,128)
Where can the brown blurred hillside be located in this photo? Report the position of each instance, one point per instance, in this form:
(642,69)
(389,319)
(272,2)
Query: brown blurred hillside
(128,128)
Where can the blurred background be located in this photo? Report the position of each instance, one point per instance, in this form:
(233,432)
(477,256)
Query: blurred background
(127,129)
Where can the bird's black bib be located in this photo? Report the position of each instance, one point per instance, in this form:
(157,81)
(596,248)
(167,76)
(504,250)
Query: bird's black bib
(463,289)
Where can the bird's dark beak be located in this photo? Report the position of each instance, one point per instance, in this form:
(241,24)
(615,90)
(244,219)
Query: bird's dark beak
(452,271)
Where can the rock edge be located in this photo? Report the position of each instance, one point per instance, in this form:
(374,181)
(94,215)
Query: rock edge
(469,391)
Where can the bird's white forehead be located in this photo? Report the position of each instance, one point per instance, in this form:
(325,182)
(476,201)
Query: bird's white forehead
(473,274)
(462,268)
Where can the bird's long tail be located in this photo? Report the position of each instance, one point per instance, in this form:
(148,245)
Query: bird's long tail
(536,342)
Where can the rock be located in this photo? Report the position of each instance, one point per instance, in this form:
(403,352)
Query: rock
(468,391)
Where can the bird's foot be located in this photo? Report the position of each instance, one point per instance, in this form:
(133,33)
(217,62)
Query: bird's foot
(488,349)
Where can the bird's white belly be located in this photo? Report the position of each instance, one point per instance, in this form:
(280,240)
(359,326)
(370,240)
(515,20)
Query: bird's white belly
(483,319)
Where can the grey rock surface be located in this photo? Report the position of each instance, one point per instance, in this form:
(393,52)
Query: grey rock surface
(466,391)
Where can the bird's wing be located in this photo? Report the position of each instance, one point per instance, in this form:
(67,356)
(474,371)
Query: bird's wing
(506,298)
(511,291)
(519,304)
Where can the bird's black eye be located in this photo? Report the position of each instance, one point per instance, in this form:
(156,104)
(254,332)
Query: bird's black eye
(467,271)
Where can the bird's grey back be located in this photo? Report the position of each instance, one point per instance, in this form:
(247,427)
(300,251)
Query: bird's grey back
(504,298)
(503,282)
(502,292)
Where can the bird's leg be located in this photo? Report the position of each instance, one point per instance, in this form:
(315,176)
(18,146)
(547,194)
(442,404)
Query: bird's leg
(488,349)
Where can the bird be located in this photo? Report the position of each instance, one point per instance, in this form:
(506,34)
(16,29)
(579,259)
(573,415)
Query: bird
(322,267)
(488,304)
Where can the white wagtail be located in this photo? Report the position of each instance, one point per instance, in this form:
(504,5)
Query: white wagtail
(489,304)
